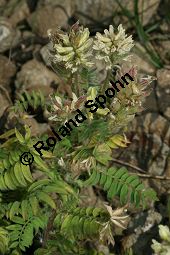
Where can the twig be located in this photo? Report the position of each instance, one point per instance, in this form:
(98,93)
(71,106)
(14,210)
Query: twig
(143,175)
(128,165)
(154,177)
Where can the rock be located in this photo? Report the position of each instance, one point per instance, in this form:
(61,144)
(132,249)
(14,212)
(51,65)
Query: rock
(2,3)
(89,197)
(163,99)
(167,113)
(163,89)
(142,230)
(153,134)
(150,146)
(97,9)
(143,65)
(159,126)
(4,101)
(150,103)
(141,59)
(16,11)
(163,48)
(7,70)
(9,37)
(168,166)
(105,9)
(20,12)
(35,76)
(146,9)
(67,5)
(157,167)
(45,53)
(37,129)
(163,76)
(47,17)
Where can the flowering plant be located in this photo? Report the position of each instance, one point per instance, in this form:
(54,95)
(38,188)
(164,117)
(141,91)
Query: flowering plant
(52,206)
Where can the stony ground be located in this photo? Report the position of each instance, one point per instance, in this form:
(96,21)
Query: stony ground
(24,65)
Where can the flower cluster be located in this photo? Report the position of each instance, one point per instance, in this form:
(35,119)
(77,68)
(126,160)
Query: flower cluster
(73,50)
(62,109)
(128,101)
(164,247)
(118,218)
(113,47)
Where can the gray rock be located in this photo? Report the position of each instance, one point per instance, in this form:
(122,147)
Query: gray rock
(19,13)
(45,53)
(67,5)
(150,145)
(163,77)
(163,92)
(36,128)
(141,59)
(35,76)
(47,17)
(167,113)
(100,10)
(7,70)
(4,101)
(9,37)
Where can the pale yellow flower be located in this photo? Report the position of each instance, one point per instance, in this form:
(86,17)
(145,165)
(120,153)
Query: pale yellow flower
(164,233)
(113,47)
(73,50)
(156,246)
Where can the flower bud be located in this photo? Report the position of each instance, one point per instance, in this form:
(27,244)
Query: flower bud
(156,246)
(92,92)
(84,37)
(164,233)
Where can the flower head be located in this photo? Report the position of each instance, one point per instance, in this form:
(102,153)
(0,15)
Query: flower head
(113,47)
(117,216)
(63,109)
(128,101)
(162,248)
(73,50)
(164,233)
(156,246)
(79,166)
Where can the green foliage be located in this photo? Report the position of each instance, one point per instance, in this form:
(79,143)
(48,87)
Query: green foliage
(80,223)
(65,246)
(4,240)
(128,252)
(34,100)
(119,182)
(21,195)
(88,78)
(22,231)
